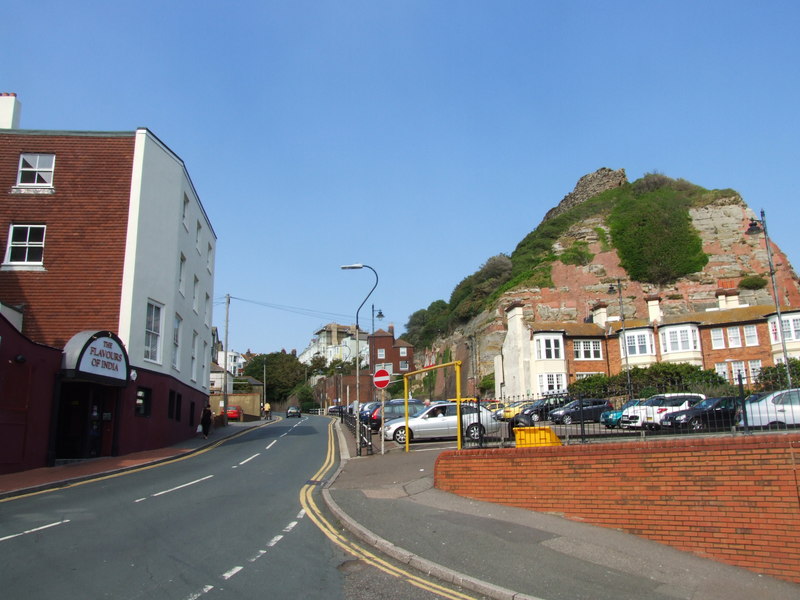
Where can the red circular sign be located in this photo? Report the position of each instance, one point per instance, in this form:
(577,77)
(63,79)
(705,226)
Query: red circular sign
(381,378)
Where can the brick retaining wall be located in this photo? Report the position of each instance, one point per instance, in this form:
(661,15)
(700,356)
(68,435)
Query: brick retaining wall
(735,499)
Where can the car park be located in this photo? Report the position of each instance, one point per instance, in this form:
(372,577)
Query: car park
(509,411)
(581,410)
(441,421)
(775,410)
(393,409)
(709,414)
(539,410)
(649,413)
(611,418)
(293,411)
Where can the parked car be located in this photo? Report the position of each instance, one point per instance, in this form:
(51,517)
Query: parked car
(649,413)
(234,413)
(365,410)
(584,409)
(775,410)
(394,409)
(539,410)
(441,421)
(335,410)
(293,411)
(611,418)
(711,413)
(509,411)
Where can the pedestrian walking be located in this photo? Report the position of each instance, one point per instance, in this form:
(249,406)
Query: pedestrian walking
(205,420)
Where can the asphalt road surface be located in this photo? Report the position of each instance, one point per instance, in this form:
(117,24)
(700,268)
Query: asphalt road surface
(228,522)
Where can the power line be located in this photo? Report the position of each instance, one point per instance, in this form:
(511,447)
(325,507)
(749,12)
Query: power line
(306,312)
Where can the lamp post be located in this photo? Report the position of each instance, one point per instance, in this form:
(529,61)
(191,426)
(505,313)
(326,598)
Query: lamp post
(611,290)
(757,226)
(356,406)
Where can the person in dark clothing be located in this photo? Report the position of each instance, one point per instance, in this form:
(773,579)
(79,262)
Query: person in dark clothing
(205,420)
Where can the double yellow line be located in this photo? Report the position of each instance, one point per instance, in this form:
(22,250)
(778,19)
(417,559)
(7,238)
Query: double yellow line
(331,532)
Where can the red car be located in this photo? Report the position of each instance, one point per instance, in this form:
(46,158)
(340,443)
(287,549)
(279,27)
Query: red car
(235,413)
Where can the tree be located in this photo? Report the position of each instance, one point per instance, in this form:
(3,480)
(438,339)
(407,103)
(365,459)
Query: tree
(283,373)
(774,378)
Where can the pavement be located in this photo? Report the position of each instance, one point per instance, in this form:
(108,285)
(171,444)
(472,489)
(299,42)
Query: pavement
(389,502)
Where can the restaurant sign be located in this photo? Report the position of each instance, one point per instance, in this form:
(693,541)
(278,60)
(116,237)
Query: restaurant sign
(96,355)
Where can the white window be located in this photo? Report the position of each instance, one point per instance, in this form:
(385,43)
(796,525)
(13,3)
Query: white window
(678,339)
(750,335)
(176,341)
(203,363)
(381,353)
(717,338)
(737,366)
(25,245)
(755,369)
(403,351)
(551,382)
(404,365)
(207,310)
(548,348)
(195,294)
(197,233)
(722,370)
(36,170)
(639,343)
(194,356)
(152,333)
(182,275)
(209,254)
(587,350)
(587,374)
(185,212)
(734,337)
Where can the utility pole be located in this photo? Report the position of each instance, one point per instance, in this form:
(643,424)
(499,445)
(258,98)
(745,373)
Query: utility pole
(225,365)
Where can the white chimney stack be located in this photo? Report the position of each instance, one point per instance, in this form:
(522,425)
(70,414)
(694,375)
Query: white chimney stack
(10,109)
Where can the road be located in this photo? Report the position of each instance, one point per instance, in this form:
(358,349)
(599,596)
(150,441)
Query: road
(238,520)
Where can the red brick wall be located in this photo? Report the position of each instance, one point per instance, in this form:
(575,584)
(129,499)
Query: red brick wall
(734,499)
(86,220)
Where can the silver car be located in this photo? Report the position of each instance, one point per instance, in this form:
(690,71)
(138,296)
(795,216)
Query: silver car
(777,409)
(441,421)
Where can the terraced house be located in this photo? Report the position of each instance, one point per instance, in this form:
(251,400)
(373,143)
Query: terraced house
(106,287)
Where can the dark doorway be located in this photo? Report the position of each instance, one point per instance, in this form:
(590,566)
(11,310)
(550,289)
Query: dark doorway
(85,420)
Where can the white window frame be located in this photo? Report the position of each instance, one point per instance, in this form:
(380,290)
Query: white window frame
(381,354)
(587,350)
(717,338)
(403,365)
(196,295)
(734,337)
(679,339)
(194,356)
(637,343)
(586,374)
(722,370)
(552,382)
(14,244)
(152,331)
(750,335)
(549,347)
(736,366)
(754,367)
(177,324)
(182,275)
(38,168)
(403,351)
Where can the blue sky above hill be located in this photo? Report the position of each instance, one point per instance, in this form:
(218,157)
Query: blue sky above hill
(419,137)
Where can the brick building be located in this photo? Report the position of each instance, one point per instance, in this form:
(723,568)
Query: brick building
(108,259)
(540,357)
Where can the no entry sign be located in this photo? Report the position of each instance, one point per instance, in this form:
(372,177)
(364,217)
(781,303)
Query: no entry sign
(381,378)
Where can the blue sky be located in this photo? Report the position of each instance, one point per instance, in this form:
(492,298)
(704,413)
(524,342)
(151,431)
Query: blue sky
(419,137)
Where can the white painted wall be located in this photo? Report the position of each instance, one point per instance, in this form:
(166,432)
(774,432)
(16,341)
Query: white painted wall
(157,235)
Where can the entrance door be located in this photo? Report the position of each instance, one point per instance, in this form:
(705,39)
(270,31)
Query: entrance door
(85,417)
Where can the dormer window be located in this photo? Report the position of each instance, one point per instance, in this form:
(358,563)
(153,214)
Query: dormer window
(36,170)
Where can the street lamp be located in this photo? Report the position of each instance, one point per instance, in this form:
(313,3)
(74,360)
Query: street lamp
(758,226)
(356,406)
(611,290)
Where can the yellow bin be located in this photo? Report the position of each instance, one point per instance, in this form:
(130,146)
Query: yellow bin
(529,437)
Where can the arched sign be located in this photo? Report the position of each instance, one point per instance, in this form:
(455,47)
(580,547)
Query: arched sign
(96,355)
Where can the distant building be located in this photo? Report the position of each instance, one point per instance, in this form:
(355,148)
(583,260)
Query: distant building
(108,260)
(540,357)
